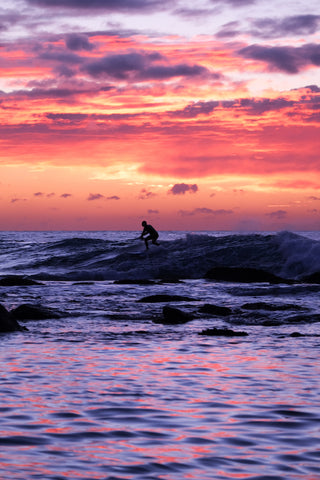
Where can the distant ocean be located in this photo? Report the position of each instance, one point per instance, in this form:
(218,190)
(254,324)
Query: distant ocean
(108,391)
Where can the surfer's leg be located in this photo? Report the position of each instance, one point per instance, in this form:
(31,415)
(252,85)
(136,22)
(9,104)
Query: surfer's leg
(154,240)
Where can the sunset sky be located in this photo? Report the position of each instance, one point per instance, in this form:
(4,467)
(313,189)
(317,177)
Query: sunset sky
(193,115)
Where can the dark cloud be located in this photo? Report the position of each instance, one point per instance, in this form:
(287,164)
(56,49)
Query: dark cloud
(99,196)
(230,29)
(77,41)
(262,105)
(313,88)
(294,25)
(277,215)
(145,195)
(205,211)
(95,196)
(313,198)
(106,5)
(182,188)
(153,212)
(8,19)
(66,195)
(16,199)
(284,59)
(251,105)
(141,66)
(67,118)
(54,54)
(38,194)
(194,109)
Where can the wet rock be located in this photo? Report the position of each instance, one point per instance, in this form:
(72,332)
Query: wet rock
(173,316)
(170,280)
(313,318)
(243,274)
(7,321)
(222,332)
(165,298)
(313,278)
(34,312)
(17,280)
(215,310)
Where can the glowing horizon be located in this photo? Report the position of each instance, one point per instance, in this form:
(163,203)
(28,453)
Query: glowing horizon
(200,118)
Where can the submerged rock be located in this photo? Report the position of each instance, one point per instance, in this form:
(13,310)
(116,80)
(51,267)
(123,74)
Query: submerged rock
(7,321)
(243,274)
(173,316)
(17,280)
(272,307)
(215,310)
(222,332)
(34,312)
(165,298)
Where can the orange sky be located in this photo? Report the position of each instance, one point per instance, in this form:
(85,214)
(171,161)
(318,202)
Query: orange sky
(191,125)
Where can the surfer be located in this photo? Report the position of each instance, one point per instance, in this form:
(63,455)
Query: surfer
(151,232)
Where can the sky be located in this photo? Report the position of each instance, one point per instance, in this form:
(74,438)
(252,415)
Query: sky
(192,115)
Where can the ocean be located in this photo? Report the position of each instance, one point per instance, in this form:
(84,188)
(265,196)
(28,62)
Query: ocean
(104,388)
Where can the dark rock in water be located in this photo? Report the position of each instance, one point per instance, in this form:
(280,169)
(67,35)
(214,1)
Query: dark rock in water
(170,280)
(243,274)
(271,306)
(313,318)
(271,323)
(34,312)
(173,316)
(313,278)
(134,282)
(165,298)
(215,310)
(17,280)
(296,334)
(222,332)
(7,321)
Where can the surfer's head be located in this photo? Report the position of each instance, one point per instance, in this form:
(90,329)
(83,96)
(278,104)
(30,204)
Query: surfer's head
(144,223)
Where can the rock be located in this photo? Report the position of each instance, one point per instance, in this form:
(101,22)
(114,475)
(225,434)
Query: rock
(33,312)
(165,298)
(173,316)
(223,332)
(7,321)
(243,274)
(313,278)
(311,318)
(17,280)
(215,310)
(170,280)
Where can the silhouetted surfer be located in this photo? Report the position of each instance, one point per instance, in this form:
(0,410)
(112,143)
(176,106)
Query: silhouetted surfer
(151,232)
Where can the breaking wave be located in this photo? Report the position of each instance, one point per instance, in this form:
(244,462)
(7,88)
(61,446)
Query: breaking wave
(286,254)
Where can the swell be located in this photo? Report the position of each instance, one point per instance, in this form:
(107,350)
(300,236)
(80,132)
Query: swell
(285,254)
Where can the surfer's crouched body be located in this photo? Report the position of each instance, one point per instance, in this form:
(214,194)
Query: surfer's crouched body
(151,232)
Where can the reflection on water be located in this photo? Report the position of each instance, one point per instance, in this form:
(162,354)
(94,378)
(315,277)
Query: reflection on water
(182,408)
